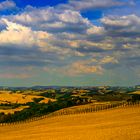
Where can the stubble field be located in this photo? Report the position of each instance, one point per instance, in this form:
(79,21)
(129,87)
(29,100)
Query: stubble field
(113,124)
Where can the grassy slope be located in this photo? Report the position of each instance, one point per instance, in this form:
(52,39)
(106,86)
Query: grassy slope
(113,124)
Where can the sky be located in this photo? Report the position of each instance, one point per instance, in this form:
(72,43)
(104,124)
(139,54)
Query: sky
(69,42)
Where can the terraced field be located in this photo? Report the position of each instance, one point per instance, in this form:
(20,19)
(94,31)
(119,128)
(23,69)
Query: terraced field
(113,124)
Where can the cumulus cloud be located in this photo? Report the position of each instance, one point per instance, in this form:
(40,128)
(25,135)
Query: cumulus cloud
(65,41)
(6,5)
(126,26)
(16,34)
(95,30)
(52,20)
(81,5)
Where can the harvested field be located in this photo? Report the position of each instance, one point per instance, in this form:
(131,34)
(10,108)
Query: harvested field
(113,124)
(19,98)
(135,92)
(11,111)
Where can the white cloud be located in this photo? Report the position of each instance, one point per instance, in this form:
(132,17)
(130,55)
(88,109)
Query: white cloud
(95,30)
(65,38)
(78,68)
(8,4)
(122,26)
(72,17)
(16,34)
(35,15)
(52,20)
(119,21)
(95,4)
(108,59)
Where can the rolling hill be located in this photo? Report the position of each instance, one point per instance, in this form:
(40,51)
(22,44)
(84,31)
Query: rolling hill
(113,124)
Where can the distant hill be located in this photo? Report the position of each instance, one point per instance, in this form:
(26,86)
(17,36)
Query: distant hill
(40,87)
(37,87)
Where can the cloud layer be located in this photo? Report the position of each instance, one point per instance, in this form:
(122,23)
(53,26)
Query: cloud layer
(60,39)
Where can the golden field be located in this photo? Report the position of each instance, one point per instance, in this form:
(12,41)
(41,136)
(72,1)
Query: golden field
(135,92)
(9,97)
(113,124)
(11,111)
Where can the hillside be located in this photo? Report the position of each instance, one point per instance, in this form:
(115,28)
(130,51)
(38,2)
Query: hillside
(9,97)
(113,124)
(135,92)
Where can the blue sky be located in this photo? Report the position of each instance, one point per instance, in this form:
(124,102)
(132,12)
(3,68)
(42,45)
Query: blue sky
(69,42)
